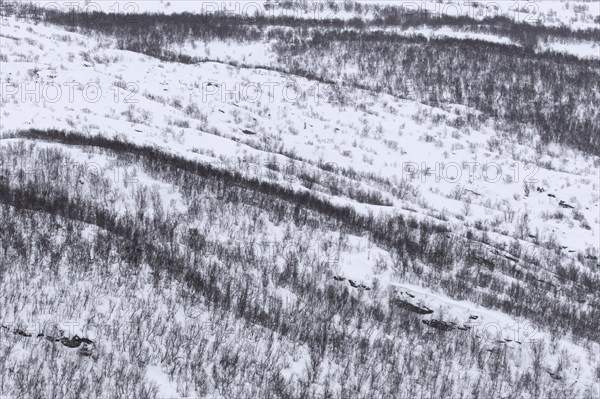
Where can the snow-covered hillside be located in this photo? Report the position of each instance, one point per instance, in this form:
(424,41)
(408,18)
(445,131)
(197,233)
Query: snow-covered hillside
(227,228)
(202,110)
(575,14)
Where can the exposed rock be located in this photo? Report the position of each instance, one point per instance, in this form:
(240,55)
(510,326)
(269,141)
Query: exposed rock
(74,342)
(439,325)
(554,376)
(563,204)
(411,308)
(22,333)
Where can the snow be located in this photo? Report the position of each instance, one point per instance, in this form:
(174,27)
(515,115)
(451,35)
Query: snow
(458,193)
(307,124)
(575,14)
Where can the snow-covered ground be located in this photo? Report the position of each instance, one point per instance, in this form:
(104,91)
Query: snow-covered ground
(218,113)
(574,14)
(461,173)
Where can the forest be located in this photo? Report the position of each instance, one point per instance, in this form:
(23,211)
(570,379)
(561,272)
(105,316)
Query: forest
(174,248)
(553,93)
(195,246)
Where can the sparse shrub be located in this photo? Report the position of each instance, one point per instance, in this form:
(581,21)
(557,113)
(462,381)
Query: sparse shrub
(391,144)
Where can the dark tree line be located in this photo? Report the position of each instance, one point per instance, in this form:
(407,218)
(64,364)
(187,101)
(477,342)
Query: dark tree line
(174,28)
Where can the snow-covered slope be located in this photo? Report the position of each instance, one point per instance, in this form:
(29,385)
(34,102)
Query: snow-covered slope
(575,14)
(578,16)
(449,165)
(202,110)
